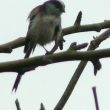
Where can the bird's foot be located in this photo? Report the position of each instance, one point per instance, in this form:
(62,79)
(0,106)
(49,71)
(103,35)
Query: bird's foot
(48,53)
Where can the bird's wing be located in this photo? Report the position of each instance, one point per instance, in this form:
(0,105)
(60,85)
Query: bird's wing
(31,16)
(34,12)
(58,35)
(58,29)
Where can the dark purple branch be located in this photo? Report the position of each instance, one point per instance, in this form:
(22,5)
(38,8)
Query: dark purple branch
(95,98)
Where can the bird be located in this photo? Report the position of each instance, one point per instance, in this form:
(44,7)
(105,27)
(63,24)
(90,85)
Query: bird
(44,27)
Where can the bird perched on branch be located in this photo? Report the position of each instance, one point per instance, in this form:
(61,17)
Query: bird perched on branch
(44,27)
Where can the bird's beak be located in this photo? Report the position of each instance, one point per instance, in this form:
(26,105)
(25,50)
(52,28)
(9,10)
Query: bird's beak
(63,10)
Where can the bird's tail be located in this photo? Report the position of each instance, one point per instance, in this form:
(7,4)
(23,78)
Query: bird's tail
(16,83)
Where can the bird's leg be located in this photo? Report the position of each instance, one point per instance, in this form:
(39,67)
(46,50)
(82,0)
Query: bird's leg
(47,52)
(45,49)
(55,47)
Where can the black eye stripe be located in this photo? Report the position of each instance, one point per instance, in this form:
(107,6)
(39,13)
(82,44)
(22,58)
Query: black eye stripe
(57,4)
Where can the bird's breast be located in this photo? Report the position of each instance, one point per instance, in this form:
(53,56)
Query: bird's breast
(43,28)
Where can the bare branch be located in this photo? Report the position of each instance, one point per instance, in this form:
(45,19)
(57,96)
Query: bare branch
(15,66)
(75,47)
(17,104)
(7,48)
(85,28)
(94,44)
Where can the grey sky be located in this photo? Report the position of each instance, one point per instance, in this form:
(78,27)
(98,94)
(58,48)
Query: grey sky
(46,84)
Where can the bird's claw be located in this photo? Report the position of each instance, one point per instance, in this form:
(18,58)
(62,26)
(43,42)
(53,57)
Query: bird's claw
(49,53)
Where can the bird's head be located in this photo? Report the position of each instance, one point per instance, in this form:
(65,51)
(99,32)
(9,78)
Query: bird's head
(54,7)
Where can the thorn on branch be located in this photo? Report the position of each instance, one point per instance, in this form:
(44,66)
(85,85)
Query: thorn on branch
(17,104)
(75,47)
(16,83)
(78,19)
(42,107)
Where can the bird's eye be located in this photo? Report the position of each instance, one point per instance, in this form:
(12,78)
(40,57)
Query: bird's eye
(58,5)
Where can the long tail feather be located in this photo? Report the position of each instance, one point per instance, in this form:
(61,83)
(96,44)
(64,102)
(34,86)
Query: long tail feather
(17,81)
(28,52)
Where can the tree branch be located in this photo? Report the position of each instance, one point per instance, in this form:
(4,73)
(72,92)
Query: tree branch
(78,19)
(42,107)
(15,66)
(93,45)
(85,28)
(17,104)
(7,48)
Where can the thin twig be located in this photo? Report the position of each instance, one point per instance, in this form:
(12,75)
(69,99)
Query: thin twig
(8,47)
(95,98)
(17,104)
(78,19)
